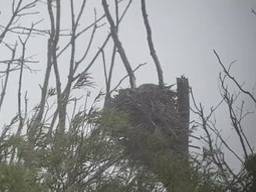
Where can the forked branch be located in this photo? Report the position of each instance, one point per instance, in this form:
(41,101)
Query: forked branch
(119,45)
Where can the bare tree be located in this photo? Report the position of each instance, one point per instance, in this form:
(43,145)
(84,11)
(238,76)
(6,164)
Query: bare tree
(216,143)
(55,138)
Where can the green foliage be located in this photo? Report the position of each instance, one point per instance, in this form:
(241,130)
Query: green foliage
(151,153)
(112,157)
(250,166)
(17,178)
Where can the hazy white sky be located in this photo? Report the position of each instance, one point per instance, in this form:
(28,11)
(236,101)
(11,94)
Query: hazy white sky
(185,33)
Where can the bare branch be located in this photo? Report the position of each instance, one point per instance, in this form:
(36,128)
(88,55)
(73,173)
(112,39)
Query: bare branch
(119,45)
(126,76)
(233,78)
(7,73)
(151,45)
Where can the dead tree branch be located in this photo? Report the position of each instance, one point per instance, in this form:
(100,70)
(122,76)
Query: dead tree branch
(151,45)
(226,71)
(119,45)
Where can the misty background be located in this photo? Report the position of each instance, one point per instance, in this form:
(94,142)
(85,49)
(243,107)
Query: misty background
(184,33)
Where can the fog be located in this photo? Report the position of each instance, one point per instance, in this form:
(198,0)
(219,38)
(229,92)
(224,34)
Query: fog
(184,33)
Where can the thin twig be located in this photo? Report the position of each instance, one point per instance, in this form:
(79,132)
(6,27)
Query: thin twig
(233,78)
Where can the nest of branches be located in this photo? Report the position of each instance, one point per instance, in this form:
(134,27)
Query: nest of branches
(153,122)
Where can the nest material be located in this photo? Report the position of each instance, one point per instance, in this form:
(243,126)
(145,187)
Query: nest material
(154,120)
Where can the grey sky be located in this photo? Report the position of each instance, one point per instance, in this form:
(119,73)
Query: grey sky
(185,33)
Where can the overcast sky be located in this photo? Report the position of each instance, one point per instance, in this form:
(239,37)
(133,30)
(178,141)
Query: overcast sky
(185,33)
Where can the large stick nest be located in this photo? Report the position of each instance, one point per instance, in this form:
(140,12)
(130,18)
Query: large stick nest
(154,120)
